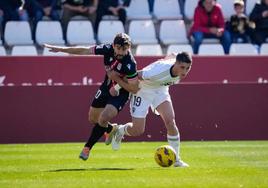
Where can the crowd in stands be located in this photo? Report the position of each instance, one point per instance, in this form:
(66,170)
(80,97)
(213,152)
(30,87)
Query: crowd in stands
(208,22)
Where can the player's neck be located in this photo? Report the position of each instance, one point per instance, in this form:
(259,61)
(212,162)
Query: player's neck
(174,71)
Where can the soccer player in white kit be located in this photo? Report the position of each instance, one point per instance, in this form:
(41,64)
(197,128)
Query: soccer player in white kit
(155,80)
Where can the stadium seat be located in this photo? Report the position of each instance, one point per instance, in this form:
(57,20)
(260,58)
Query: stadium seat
(18,33)
(113,26)
(149,50)
(46,52)
(264,49)
(168,9)
(79,17)
(80,32)
(210,49)
(227,8)
(138,9)
(142,32)
(3,51)
(109,17)
(24,51)
(173,32)
(249,6)
(176,48)
(49,32)
(211,41)
(189,8)
(243,49)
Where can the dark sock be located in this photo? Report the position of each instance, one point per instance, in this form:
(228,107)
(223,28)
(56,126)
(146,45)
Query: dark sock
(97,133)
(109,128)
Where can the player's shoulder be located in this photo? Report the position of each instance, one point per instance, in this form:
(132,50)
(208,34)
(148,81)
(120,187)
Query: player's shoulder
(129,58)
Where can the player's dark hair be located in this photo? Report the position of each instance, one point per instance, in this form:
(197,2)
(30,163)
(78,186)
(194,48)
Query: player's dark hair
(122,39)
(184,57)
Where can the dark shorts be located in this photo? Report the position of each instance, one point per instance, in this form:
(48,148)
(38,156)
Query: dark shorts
(103,97)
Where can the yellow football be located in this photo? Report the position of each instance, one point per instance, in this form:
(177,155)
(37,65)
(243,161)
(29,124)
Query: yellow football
(165,156)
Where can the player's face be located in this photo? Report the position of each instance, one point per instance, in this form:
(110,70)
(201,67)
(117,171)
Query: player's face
(120,51)
(183,69)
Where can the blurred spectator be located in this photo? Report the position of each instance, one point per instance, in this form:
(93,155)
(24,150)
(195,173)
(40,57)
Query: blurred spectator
(13,10)
(151,5)
(73,8)
(112,7)
(259,15)
(209,23)
(181,3)
(40,8)
(239,25)
(1,20)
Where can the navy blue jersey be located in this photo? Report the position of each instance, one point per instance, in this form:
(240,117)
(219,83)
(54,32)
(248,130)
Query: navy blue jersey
(126,66)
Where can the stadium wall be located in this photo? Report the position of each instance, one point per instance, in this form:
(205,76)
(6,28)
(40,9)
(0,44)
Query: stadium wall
(203,112)
(75,70)
(205,108)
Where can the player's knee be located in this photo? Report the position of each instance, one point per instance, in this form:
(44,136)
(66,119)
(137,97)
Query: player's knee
(92,119)
(105,117)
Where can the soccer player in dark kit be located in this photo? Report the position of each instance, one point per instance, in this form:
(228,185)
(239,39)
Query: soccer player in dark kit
(117,60)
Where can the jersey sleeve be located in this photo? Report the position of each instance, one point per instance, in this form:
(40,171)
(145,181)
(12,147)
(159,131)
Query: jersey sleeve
(132,73)
(102,49)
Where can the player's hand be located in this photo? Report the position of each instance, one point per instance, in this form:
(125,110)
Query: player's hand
(113,92)
(170,56)
(53,48)
(113,75)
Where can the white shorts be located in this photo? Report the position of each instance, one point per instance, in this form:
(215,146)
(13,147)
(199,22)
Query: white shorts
(145,98)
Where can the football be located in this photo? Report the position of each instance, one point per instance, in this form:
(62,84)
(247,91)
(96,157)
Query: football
(165,156)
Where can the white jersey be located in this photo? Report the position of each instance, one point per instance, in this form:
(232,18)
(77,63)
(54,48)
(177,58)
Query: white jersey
(158,74)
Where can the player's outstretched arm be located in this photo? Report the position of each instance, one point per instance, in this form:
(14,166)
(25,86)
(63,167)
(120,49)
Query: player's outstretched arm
(76,50)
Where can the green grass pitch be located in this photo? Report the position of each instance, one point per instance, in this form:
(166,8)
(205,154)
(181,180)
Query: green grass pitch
(212,164)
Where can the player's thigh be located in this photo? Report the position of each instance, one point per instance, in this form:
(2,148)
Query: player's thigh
(139,104)
(94,114)
(98,104)
(166,111)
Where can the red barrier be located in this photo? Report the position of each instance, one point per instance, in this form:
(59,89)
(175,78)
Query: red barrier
(85,70)
(203,112)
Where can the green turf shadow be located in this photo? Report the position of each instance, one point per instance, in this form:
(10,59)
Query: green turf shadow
(88,169)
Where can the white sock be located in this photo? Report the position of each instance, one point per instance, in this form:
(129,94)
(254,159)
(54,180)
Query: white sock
(174,142)
(123,129)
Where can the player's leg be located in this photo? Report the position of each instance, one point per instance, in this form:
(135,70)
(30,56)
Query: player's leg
(96,109)
(139,104)
(93,116)
(166,111)
(100,117)
(134,128)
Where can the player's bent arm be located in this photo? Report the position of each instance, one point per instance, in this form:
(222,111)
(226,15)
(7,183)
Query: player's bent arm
(76,50)
(131,86)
